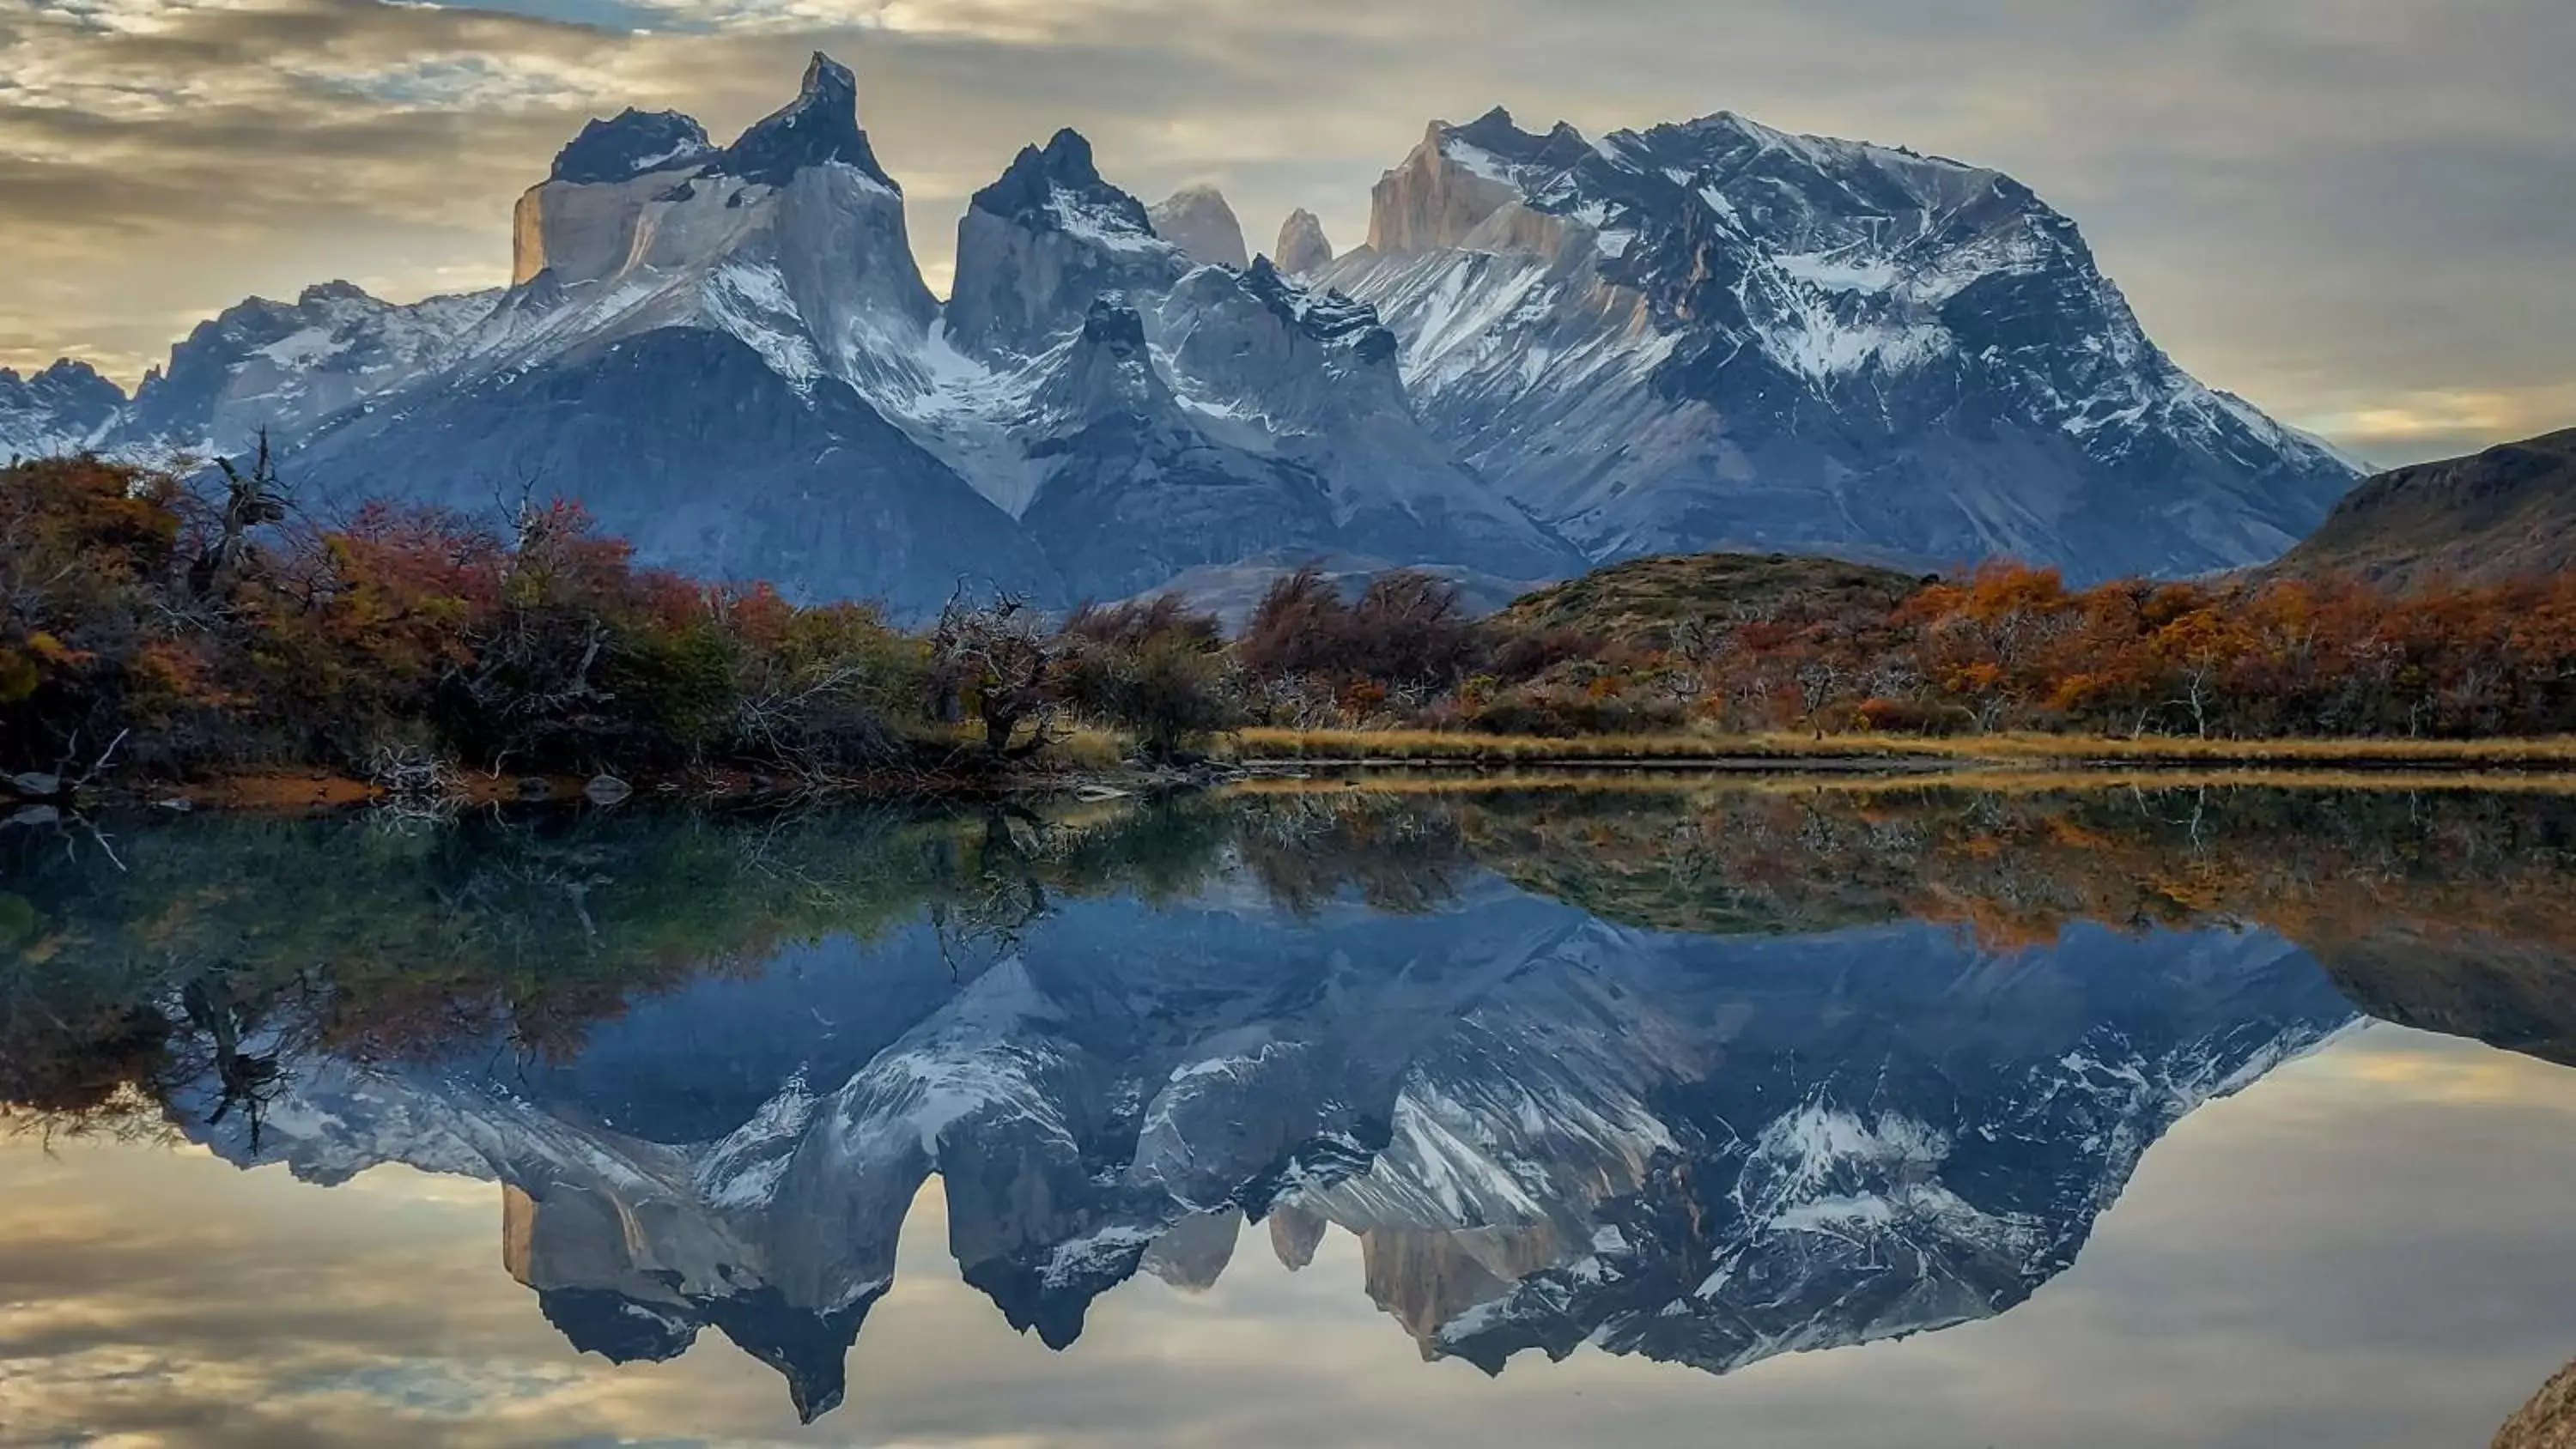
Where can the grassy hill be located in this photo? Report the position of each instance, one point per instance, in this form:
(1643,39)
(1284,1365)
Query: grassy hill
(2506,513)
(1640,601)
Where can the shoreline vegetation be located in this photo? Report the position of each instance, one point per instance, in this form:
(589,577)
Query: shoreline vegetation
(205,641)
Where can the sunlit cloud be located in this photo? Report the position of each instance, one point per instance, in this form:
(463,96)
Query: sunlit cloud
(461,81)
(126,17)
(2417,417)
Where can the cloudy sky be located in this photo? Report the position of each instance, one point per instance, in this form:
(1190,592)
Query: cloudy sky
(2360,213)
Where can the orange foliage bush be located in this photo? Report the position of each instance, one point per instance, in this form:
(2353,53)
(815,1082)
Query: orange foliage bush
(2011,647)
(130,608)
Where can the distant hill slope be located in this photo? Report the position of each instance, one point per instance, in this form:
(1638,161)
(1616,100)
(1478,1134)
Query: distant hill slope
(2507,512)
(1641,600)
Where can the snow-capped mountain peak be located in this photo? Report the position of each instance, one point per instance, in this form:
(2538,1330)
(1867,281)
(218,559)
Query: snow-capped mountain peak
(1335,321)
(62,408)
(1036,246)
(791,239)
(1745,336)
(1059,186)
(1108,369)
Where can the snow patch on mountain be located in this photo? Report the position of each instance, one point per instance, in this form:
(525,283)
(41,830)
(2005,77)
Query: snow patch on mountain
(752,303)
(741,1170)
(1110,1252)
(1085,219)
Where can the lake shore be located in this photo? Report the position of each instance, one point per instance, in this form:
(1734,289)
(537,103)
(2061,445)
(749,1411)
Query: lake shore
(1877,753)
(1269,760)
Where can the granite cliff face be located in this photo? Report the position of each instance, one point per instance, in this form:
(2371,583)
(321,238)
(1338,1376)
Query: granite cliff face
(1135,490)
(1302,245)
(2548,1421)
(1551,353)
(696,346)
(1198,221)
(820,492)
(1143,414)
(1039,244)
(791,239)
(1091,412)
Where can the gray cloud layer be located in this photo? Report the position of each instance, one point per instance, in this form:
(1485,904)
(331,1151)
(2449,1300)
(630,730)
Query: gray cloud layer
(2358,212)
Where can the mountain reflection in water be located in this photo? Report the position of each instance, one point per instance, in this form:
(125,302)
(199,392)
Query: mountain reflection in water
(1705,1075)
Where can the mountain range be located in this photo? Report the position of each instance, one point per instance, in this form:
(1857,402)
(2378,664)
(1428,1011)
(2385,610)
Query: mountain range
(1551,352)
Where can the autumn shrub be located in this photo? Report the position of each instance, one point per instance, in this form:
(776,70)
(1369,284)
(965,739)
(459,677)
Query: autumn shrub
(1560,709)
(2015,648)
(1518,654)
(1155,667)
(343,644)
(1298,630)
(222,634)
(835,687)
(88,651)
(2002,648)
(1909,716)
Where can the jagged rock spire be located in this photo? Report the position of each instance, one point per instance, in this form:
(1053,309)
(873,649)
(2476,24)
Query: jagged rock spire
(1046,238)
(821,125)
(1029,189)
(1302,244)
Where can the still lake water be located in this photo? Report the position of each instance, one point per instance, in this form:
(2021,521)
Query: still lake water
(1744,1112)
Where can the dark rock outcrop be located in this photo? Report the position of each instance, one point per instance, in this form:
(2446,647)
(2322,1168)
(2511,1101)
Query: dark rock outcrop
(1040,243)
(820,126)
(630,144)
